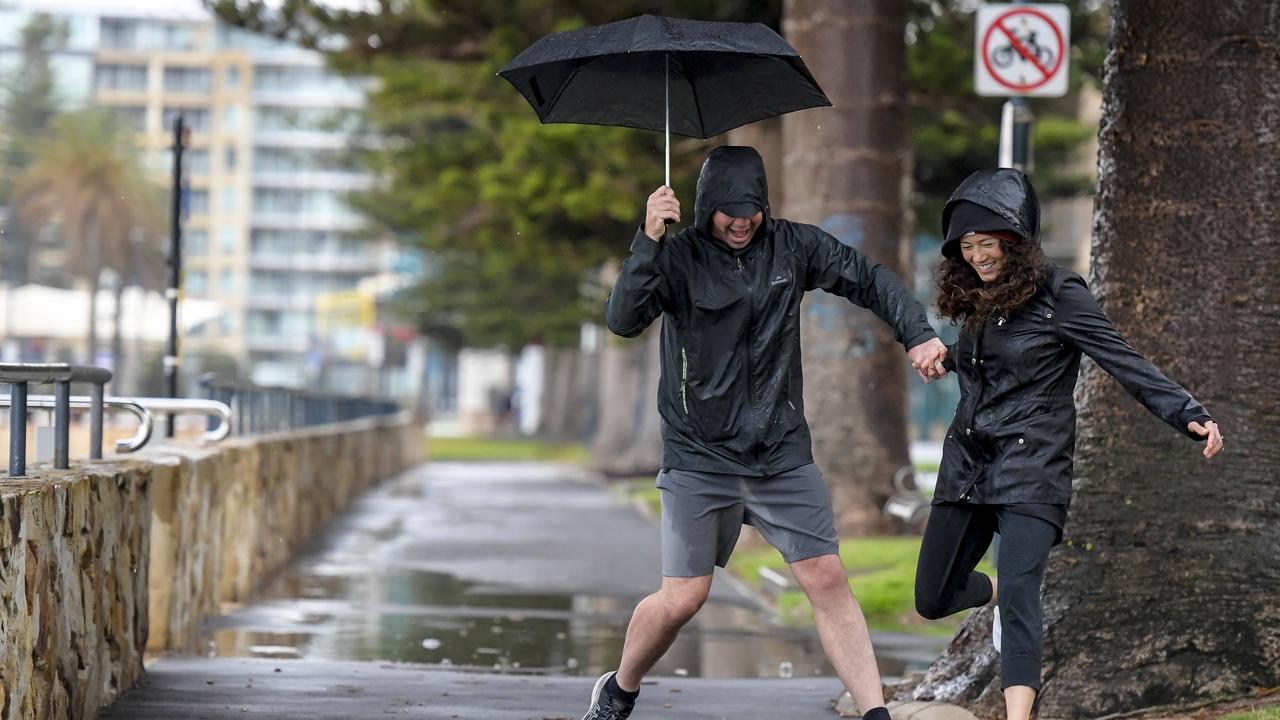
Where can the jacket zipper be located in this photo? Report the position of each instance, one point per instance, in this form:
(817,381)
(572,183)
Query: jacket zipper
(751,398)
(684,380)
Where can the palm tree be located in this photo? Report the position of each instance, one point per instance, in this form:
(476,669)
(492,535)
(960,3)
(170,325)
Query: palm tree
(87,179)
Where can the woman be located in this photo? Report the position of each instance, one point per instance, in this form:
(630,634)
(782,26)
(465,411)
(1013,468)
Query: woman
(1006,461)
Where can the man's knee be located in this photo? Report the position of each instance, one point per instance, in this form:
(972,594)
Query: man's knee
(821,575)
(683,598)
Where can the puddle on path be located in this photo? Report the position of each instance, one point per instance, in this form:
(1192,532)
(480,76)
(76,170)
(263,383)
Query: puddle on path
(333,613)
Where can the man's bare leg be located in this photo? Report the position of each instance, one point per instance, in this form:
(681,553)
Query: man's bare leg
(842,627)
(655,623)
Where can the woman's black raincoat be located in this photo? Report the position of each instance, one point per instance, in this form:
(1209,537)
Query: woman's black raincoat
(731,394)
(1014,432)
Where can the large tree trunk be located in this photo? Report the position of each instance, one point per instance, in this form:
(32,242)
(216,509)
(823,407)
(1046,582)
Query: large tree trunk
(1164,592)
(644,456)
(843,171)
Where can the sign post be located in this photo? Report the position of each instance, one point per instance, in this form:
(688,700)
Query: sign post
(1021,50)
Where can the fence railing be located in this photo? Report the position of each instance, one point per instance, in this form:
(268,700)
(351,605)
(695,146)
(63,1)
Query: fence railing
(20,376)
(264,409)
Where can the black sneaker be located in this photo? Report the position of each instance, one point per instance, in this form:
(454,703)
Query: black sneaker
(605,706)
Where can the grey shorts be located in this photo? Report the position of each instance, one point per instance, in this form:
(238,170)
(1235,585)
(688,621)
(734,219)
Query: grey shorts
(702,514)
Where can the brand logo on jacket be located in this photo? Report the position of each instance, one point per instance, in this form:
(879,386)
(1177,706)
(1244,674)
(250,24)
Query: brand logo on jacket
(779,280)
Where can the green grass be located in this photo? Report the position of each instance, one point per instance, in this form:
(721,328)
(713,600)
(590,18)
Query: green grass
(881,574)
(1271,713)
(467,448)
(644,491)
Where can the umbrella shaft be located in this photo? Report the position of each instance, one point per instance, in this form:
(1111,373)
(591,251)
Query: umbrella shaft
(667,102)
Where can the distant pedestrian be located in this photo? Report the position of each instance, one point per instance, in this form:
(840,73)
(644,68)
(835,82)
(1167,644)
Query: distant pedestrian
(736,444)
(1006,460)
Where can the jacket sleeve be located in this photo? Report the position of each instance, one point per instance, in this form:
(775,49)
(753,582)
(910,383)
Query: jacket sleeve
(636,298)
(842,270)
(1083,325)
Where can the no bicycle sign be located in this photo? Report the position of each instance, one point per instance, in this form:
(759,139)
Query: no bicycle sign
(1022,50)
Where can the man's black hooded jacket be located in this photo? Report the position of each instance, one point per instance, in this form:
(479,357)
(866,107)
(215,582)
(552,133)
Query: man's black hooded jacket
(731,394)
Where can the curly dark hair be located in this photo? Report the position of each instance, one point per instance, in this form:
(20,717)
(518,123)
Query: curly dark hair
(964,298)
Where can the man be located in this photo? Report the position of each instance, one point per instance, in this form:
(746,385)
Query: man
(736,446)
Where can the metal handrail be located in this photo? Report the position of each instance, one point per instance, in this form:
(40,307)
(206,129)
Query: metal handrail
(127,445)
(262,408)
(144,409)
(60,375)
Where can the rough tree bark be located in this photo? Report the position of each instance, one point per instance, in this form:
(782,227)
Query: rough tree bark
(843,171)
(1164,593)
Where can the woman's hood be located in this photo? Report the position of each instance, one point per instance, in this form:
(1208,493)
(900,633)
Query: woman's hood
(1005,192)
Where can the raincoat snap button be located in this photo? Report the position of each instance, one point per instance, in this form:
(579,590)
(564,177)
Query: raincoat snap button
(1048,315)
(968,431)
(1021,441)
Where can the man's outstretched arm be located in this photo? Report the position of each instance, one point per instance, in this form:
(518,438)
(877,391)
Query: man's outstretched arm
(843,270)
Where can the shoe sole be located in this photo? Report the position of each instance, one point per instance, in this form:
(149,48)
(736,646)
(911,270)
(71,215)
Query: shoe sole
(595,691)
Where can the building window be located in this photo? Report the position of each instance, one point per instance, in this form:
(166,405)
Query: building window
(197,202)
(231,118)
(119,33)
(230,200)
(196,283)
(229,239)
(133,117)
(196,118)
(229,162)
(120,77)
(228,282)
(195,242)
(233,77)
(188,80)
(197,161)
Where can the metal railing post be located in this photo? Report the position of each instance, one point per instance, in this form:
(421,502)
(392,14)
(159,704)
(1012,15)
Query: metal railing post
(95,422)
(62,425)
(18,430)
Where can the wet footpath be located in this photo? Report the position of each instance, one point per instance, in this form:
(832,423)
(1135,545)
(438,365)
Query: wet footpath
(488,590)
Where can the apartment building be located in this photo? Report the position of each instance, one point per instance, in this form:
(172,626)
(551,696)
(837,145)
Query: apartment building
(268,231)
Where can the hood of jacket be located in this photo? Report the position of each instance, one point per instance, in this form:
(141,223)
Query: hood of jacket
(730,174)
(1004,191)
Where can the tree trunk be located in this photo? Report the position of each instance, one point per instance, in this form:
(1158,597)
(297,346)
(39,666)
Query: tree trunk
(564,397)
(843,171)
(644,456)
(91,332)
(1163,594)
(766,137)
(117,341)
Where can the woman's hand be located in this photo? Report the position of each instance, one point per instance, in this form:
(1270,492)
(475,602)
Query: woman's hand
(1213,445)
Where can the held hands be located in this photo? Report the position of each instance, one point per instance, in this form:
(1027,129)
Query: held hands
(662,207)
(1213,445)
(927,359)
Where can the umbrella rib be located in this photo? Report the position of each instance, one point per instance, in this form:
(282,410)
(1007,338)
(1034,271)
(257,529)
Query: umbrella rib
(693,88)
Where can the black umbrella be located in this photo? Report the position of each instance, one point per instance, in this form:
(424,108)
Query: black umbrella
(690,77)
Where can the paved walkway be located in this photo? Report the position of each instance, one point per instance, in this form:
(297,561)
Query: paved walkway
(369,589)
(223,689)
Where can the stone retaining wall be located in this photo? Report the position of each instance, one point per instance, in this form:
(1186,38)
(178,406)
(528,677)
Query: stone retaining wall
(102,563)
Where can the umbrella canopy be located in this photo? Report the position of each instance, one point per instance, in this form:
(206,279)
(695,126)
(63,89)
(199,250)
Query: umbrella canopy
(717,75)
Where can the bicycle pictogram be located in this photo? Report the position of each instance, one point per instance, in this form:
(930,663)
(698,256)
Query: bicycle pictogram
(1004,55)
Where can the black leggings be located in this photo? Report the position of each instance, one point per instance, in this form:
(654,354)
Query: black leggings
(955,540)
